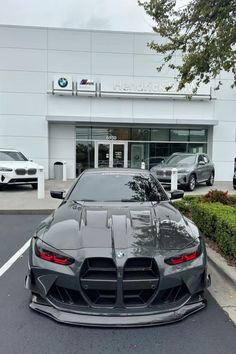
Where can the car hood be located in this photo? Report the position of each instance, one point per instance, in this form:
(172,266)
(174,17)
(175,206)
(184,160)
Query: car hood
(144,227)
(18,164)
(170,166)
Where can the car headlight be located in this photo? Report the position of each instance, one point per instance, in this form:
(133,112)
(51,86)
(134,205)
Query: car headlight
(5,169)
(50,254)
(183,170)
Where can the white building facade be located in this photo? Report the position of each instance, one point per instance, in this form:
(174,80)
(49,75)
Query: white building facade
(95,98)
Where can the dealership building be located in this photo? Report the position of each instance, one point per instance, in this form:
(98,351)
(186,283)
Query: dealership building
(95,98)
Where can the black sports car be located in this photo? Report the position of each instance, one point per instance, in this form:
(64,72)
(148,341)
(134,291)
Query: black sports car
(117,253)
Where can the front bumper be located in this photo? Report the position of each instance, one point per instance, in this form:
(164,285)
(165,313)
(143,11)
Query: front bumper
(119,320)
(166,180)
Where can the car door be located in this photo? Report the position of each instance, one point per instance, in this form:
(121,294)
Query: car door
(201,168)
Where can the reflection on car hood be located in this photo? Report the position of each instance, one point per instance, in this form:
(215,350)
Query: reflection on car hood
(144,227)
(18,164)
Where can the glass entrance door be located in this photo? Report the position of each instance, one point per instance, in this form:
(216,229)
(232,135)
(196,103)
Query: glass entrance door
(111,154)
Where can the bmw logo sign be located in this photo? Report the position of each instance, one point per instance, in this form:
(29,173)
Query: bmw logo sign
(62,82)
(120,254)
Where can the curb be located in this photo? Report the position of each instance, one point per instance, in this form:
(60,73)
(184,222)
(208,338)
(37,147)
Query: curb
(221,265)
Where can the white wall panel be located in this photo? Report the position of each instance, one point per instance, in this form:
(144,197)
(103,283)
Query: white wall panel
(225,111)
(115,43)
(112,64)
(23,104)
(225,92)
(111,107)
(62,149)
(69,106)
(225,131)
(141,40)
(69,40)
(23,126)
(23,37)
(185,109)
(33,147)
(145,65)
(23,59)
(224,171)
(153,109)
(224,151)
(23,81)
(68,61)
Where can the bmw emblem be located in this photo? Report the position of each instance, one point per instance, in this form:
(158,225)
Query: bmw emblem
(62,82)
(120,254)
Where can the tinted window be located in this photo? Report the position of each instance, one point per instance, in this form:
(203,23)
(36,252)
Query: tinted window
(12,156)
(117,187)
(181,159)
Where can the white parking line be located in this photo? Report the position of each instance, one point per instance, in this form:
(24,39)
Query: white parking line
(14,258)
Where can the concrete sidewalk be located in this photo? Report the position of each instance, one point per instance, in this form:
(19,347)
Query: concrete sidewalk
(24,198)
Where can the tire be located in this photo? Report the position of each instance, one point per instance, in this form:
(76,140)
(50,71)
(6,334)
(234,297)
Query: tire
(191,183)
(210,180)
(34,185)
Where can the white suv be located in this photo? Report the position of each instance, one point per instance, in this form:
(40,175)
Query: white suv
(15,168)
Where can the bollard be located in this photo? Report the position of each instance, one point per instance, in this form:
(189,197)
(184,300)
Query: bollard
(64,172)
(41,188)
(174,179)
(143,165)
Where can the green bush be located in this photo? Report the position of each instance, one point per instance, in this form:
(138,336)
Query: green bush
(215,220)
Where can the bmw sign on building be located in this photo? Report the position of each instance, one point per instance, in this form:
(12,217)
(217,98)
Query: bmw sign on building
(62,83)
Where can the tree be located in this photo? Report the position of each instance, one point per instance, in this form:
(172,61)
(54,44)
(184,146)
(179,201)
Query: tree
(203,30)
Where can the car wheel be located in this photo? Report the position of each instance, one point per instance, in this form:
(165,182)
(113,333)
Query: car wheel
(210,180)
(34,185)
(191,183)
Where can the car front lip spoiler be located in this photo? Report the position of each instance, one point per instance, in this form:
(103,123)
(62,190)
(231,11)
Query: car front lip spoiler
(102,320)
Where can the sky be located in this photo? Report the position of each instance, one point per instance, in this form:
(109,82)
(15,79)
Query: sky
(116,15)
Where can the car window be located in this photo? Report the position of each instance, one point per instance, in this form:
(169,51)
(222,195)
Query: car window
(12,156)
(117,187)
(181,159)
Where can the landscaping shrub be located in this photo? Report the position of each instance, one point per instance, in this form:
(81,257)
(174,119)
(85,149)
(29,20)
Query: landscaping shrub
(215,220)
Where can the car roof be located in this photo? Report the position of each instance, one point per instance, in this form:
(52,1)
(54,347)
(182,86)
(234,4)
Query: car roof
(117,170)
(5,149)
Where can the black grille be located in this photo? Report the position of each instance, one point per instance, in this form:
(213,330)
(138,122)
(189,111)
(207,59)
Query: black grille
(66,296)
(31,171)
(20,171)
(99,281)
(171,295)
(140,281)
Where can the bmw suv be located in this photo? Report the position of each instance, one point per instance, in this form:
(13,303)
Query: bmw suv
(192,169)
(15,168)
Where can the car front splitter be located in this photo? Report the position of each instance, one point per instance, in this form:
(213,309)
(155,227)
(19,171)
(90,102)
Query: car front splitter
(103,320)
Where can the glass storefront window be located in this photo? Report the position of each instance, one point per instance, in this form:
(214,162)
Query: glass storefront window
(84,156)
(140,134)
(160,134)
(198,135)
(178,147)
(83,133)
(179,135)
(195,148)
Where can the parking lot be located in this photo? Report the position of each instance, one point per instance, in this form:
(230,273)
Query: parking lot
(25,331)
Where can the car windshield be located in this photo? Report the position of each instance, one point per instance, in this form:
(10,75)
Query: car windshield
(117,187)
(12,156)
(181,159)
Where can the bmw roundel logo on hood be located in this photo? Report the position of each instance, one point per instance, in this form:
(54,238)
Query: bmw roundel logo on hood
(120,254)
(62,82)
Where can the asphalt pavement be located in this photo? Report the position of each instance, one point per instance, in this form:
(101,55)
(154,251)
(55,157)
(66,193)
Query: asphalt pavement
(23,331)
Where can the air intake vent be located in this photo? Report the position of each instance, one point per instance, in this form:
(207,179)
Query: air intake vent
(98,280)
(140,281)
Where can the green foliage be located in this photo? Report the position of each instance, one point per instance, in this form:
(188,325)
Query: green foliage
(215,220)
(214,196)
(203,31)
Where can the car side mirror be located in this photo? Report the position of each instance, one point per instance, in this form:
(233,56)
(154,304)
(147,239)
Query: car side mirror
(177,194)
(57,194)
(201,163)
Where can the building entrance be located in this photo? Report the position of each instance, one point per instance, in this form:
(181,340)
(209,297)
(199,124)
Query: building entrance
(111,154)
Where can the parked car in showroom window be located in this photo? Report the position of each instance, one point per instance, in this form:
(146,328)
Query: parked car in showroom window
(15,168)
(192,170)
